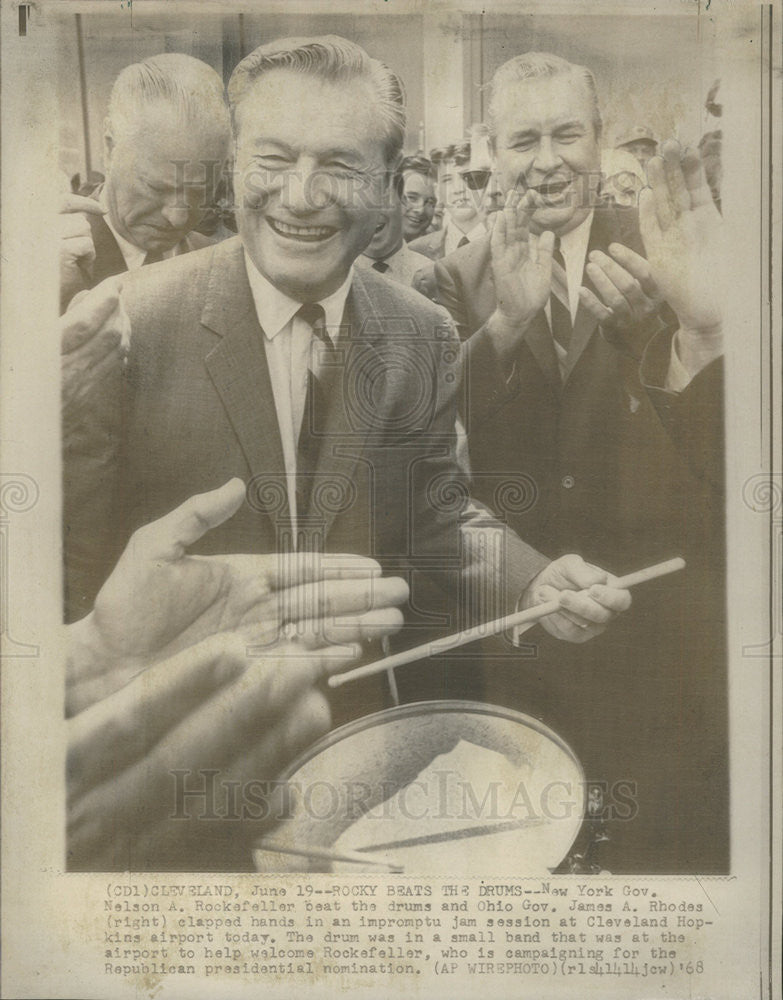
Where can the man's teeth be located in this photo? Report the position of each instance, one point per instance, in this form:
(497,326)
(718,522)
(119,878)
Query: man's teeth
(554,187)
(314,231)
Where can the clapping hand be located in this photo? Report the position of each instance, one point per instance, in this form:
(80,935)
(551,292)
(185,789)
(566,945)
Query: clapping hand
(683,236)
(521,269)
(626,297)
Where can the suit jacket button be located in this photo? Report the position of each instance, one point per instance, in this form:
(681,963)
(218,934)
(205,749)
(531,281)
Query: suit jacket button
(567,482)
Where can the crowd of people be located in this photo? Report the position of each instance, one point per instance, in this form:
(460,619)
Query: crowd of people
(286,450)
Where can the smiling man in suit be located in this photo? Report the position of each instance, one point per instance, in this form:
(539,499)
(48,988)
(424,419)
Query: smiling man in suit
(330,390)
(532,344)
(165,141)
(555,310)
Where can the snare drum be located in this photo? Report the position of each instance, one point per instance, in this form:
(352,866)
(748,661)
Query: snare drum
(434,788)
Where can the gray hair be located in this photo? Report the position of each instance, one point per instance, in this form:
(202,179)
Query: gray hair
(537,65)
(191,87)
(329,58)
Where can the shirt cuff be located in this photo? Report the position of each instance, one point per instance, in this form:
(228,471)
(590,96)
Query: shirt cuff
(678,377)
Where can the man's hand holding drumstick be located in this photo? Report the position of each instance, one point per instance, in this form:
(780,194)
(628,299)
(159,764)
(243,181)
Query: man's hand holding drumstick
(588,600)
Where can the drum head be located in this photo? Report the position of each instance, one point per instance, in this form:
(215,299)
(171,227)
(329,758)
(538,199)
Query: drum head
(433,788)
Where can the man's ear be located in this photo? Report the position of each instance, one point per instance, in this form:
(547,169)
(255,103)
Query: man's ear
(393,182)
(108,142)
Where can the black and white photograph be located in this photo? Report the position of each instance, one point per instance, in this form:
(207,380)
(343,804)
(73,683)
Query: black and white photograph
(398,520)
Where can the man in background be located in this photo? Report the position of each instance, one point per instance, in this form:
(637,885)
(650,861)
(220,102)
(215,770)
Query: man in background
(464,216)
(165,143)
(418,196)
(639,142)
(387,252)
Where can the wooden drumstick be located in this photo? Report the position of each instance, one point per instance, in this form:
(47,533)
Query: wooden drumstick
(327,854)
(527,617)
(462,833)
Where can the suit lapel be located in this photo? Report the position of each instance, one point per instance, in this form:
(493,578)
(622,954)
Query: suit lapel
(108,256)
(237,365)
(538,338)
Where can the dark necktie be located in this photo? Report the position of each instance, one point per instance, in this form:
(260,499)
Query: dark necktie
(153,257)
(315,408)
(560,309)
(463,242)
(380,265)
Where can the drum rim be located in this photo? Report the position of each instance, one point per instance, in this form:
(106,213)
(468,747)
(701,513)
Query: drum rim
(396,712)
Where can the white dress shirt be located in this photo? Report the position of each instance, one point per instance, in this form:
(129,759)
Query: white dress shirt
(453,234)
(573,246)
(403,265)
(288,346)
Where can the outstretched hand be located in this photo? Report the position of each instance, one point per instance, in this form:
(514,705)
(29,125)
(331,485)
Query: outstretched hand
(159,600)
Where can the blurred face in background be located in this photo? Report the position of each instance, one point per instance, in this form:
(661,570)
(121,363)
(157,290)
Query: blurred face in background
(388,237)
(623,177)
(545,141)
(160,174)
(461,204)
(418,204)
(642,149)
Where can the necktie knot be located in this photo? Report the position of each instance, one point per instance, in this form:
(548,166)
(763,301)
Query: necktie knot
(313,314)
(322,349)
(380,265)
(463,242)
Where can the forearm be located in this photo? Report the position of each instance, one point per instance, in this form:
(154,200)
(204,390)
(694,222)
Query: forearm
(498,566)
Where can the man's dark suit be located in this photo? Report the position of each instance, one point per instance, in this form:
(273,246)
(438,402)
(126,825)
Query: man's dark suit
(108,256)
(197,408)
(432,245)
(645,702)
